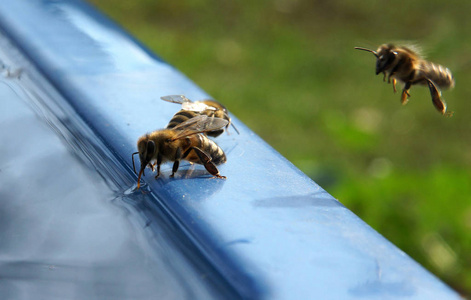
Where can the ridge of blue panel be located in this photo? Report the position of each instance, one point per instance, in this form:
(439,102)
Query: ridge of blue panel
(268,229)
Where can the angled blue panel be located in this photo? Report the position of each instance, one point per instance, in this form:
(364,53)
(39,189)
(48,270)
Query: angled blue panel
(268,231)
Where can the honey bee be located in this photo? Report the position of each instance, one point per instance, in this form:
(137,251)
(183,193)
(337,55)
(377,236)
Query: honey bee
(407,66)
(184,141)
(190,109)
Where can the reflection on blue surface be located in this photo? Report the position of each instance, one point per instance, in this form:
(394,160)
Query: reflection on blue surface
(65,233)
(320,199)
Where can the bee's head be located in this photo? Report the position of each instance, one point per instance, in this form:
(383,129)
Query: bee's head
(385,57)
(146,150)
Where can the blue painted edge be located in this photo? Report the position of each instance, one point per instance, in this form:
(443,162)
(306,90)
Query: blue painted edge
(268,230)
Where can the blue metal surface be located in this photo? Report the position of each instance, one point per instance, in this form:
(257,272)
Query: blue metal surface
(268,231)
(64,232)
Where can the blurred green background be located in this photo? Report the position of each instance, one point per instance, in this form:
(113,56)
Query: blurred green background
(289,71)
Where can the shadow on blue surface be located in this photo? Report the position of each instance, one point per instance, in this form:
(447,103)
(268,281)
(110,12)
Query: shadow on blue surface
(68,234)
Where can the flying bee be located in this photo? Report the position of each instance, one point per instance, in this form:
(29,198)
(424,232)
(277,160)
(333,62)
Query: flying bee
(184,141)
(190,109)
(407,66)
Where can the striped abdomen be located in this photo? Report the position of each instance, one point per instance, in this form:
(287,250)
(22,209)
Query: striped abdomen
(440,75)
(183,115)
(216,114)
(209,147)
(180,117)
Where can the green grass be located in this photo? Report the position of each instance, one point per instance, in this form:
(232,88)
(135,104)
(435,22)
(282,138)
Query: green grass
(289,71)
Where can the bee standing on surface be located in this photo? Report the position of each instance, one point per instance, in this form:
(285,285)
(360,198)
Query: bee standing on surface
(184,141)
(190,109)
(405,65)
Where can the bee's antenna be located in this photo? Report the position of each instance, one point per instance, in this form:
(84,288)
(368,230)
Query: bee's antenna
(133,165)
(364,49)
(235,128)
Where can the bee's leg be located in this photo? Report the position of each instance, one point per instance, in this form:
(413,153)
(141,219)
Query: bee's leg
(158,163)
(384,77)
(405,93)
(176,164)
(439,104)
(393,80)
(207,163)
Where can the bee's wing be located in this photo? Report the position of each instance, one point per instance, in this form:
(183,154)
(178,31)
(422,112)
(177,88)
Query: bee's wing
(196,106)
(213,104)
(179,99)
(198,124)
(190,123)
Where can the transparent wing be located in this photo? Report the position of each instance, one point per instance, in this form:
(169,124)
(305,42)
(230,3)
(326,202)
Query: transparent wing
(179,99)
(196,106)
(191,123)
(186,103)
(213,104)
(198,124)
